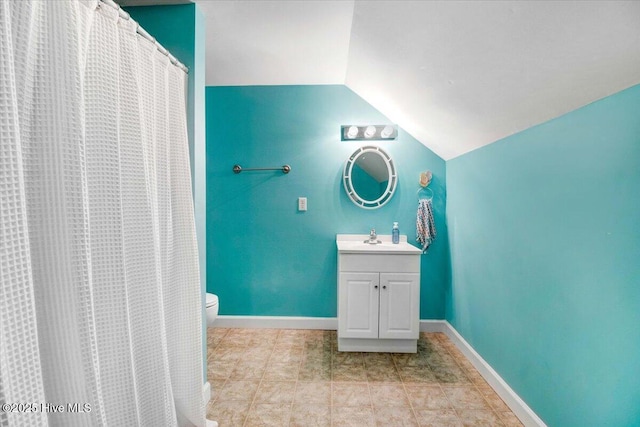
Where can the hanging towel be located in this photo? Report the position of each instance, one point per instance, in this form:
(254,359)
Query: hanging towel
(425,225)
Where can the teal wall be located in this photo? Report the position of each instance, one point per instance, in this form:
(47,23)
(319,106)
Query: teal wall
(265,257)
(181,30)
(545,254)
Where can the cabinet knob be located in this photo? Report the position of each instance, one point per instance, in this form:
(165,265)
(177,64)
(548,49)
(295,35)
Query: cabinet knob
(375,287)
(384,287)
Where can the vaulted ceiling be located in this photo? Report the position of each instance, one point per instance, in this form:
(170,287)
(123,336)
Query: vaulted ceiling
(455,75)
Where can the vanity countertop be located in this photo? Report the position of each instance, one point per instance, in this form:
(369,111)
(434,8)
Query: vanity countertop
(355,244)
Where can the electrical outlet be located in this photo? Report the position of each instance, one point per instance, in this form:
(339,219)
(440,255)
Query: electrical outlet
(302,204)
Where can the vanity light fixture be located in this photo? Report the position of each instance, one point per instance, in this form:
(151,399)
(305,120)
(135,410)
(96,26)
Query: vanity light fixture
(368,132)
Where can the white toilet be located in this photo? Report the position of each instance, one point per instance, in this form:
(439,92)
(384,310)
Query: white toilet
(212,309)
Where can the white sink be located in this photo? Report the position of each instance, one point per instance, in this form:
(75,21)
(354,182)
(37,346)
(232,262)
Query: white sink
(355,244)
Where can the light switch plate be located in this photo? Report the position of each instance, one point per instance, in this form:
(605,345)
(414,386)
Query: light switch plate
(302,204)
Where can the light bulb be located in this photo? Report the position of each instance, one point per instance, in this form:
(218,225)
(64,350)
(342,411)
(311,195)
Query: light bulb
(352,132)
(369,131)
(387,132)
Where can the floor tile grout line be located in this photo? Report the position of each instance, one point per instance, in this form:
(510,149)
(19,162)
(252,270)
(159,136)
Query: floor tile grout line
(295,388)
(373,411)
(213,402)
(331,350)
(404,387)
(442,390)
(453,407)
(334,350)
(455,411)
(253,401)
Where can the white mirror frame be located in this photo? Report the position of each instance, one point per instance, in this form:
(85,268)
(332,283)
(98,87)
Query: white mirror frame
(392,183)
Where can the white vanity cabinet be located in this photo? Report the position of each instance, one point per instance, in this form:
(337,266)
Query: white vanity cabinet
(378,295)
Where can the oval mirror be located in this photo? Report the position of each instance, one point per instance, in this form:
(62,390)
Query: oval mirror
(370,177)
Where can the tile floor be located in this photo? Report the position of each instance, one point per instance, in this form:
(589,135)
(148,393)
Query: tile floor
(268,377)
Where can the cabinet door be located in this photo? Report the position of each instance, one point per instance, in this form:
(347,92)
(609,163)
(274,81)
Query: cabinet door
(358,295)
(399,305)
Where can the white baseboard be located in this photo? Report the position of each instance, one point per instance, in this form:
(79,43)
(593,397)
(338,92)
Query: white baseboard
(433,325)
(513,401)
(276,322)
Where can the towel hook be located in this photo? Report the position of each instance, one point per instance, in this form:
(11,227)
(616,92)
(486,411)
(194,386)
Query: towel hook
(425,193)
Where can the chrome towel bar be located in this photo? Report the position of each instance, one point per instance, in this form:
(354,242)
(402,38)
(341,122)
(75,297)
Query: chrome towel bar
(285,169)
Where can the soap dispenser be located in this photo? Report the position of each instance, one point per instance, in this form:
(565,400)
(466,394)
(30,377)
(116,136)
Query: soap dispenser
(395,234)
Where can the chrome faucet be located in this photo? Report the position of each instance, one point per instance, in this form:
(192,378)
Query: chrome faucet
(373,237)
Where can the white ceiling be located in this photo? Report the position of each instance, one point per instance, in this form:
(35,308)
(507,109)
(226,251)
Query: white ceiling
(276,42)
(455,75)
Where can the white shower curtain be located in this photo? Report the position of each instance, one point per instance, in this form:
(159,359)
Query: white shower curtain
(100,302)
